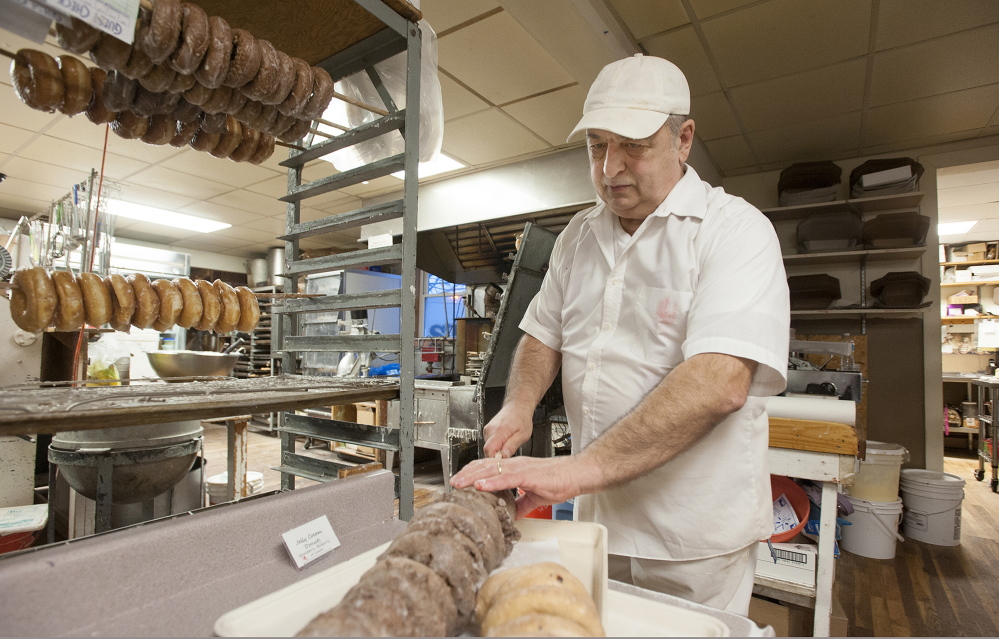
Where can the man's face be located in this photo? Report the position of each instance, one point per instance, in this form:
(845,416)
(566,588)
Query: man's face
(634,176)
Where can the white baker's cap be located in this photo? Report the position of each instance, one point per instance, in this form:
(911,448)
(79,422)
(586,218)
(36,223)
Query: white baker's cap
(633,97)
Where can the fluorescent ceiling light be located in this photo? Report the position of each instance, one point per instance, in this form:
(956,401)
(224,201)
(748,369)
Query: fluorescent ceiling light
(440,164)
(955,228)
(166,218)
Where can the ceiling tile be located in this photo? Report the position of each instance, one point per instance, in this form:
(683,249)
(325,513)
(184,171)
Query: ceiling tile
(683,48)
(13,138)
(488,136)
(707,8)
(253,202)
(169,200)
(165,179)
(162,230)
(248,234)
(316,170)
(936,115)
(776,38)
(80,130)
(275,187)
(34,190)
(553,115)
(713,116)
(967,175)
(269,224)
(249,252)
(902,22)
(809,141)
(210,242)
(444,14)
(648,17)
(342,205)
(937,66)
(499,60)
(812,95)
(221,213)
(80,157)
(43,173)
(238,174)
(730,153)
(907,145)
(964,196)
(378,184)
(22,204)
(969,212)
(458,100)
(19,114)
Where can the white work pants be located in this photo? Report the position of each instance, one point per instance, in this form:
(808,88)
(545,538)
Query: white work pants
(724,582)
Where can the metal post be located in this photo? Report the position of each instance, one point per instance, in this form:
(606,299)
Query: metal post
(104,496)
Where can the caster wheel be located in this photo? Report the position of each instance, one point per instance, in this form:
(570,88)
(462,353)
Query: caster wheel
(995,485)
(979,475)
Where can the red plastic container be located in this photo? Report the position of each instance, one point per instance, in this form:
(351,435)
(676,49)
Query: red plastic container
(544,512)
(799,502)
(17,541)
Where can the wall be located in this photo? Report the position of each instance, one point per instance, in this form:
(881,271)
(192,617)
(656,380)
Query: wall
(199,259)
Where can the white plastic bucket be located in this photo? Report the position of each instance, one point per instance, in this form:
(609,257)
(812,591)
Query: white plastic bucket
(932,506)
(877,476)
(217,485)
(873,529)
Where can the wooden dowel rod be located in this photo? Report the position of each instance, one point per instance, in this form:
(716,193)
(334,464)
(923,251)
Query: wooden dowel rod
(288,146)
(358,103)
(9,54)
(331,124)
(288,295)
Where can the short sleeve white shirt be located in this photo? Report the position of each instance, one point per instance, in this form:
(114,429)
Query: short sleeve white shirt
(702,274)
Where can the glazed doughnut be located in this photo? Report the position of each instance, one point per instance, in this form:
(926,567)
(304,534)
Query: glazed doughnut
(69,312)
(230,140)
(249,310)
(78,38)
(266,80)
(110,53)
(147,303)
(301,90)
(163,36)
(96,299)
(139,64)
(130,126)
(513,579)
(37,80)
(285,80)
(33,299)
(544,600)
(191,309)
(215,64)
(185,132)
(322,93)
(244,61)
(213,123)
(98,112)
(161,130)
(247,146)
(122,302)
(185,111)
(211,306)
(236,103)
(264,150)
(182,83)
(198,94)
(266,119)
(281,124)
(538,626)
(159,78)
(218,100)
(296,131)
(205,141)
(250,111)
(119,91)
(230,314)
(77,90)
(171,304)
(193,40)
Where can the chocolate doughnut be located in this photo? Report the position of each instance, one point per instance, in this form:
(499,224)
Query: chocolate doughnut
(244,61)
(211,306)
(198,94)
(182,83)
(96,299)
(37,80)
(147,303)
(185,132)
(214,123)
(161,130)
(185,111)
(287,74)
(191,309)
(194,36)
(77,90)
(122,302)
(298,130)
(163,36)
(139,64)
(205,141)
(149,103)
(158,79)
(322,93)
(230,140)
(215,64)
(130,126)
(119,91)
(266,80)
(33,299)
(218,100)
(249,309)
(266,119)
(171,304)
(247,146)
(110,53)
(250,112)
(98,112)
(78,38)
(69,312)
(229,316)
(301,90)
(236,103)
(264,150)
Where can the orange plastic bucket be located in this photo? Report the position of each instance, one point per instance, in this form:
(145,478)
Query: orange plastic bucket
(799,502)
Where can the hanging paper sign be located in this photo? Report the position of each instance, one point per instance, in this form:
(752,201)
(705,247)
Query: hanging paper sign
(26,19)
(115,17)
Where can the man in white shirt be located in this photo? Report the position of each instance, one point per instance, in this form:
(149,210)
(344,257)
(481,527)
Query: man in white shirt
(666,307)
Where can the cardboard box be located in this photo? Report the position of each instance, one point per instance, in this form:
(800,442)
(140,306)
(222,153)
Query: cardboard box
(962,276)
(962,299)
(787,620)
(794,562)
(977,247)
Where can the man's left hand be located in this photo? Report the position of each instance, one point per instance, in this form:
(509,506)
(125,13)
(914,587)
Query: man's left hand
(543,481)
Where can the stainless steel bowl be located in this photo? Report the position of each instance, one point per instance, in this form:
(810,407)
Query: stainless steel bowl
(192,363)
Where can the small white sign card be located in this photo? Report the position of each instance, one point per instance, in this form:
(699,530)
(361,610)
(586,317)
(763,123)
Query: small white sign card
(785,518)
(310,541)
(116,17)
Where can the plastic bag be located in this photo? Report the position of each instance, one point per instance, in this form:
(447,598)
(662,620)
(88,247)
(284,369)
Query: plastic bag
(393,75)
(103,355)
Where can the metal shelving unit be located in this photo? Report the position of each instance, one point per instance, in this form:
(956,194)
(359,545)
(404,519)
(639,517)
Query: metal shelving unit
(988,399)
(400,35)
(258,360)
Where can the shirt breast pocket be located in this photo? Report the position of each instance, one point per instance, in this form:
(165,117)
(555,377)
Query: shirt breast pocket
(661,321)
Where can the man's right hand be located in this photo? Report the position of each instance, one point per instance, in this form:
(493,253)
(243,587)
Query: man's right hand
(511,427)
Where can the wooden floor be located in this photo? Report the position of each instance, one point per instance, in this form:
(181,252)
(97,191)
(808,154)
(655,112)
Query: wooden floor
(925,591)
(931,590)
